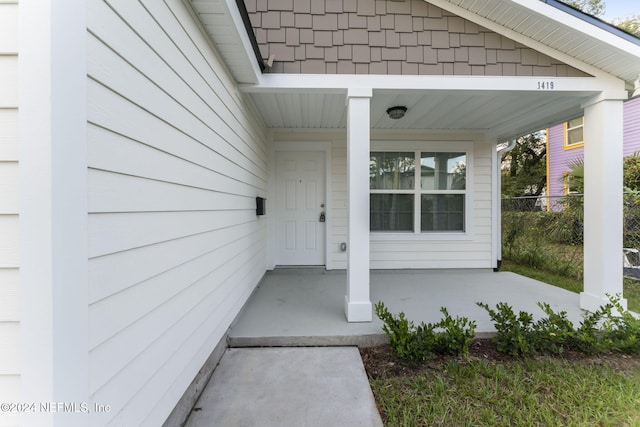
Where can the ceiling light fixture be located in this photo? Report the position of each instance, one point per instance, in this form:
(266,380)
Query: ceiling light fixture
(396,112)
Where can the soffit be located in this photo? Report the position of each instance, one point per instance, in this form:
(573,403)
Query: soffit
(499,114)
(572,33)
(222,22)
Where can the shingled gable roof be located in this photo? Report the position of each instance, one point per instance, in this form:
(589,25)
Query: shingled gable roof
(548,26)
(576,36)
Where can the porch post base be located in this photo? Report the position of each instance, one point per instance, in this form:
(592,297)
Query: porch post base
(592,302)
(358,311)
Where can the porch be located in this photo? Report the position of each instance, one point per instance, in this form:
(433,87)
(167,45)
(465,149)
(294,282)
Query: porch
(305,306)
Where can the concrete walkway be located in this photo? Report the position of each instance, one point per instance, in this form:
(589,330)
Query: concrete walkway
(302,387)
(327,386)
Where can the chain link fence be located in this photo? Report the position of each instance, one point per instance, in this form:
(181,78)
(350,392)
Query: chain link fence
(547,232)
(544,233)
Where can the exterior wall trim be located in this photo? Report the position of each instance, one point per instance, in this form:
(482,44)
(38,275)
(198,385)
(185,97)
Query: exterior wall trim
(548,168)
(53,208)
(496,208)
(338,84)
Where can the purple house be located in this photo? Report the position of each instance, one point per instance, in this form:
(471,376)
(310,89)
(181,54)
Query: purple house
(565,143)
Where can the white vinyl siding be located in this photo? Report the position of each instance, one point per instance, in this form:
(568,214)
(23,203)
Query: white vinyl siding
(471,249)
(176,158)
(9,247)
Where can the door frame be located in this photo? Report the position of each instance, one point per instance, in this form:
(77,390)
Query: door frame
(284,146)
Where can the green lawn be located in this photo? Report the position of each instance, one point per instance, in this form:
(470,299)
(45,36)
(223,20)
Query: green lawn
(528,392)
(631,287)
(485,390)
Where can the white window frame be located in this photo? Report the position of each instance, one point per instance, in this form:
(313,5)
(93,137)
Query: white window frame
(567,129)
(419,147)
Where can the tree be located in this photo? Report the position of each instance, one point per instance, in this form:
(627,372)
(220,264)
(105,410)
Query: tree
(592,7)
(524,169)
(575,177)
(630,24)
(632,172)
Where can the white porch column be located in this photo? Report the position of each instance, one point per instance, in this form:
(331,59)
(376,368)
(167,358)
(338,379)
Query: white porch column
(357,301)
(602,202)
(53,211)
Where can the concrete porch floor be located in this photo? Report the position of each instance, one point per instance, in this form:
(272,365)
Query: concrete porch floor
(305,306)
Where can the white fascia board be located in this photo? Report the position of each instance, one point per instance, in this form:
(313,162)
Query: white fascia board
(580,25)
(230,9)
(558,16)
(234,14)
(340,84)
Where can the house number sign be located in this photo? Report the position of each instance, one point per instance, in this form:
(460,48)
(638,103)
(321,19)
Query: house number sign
(546,85)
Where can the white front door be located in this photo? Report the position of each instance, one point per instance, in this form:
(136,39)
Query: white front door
(300,202)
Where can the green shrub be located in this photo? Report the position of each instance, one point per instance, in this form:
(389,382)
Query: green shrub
(513,332)
(610,328)
(631,168)
(621,330)
(588,338)
(456,336)
(554,333)
(400,331)
(450,336)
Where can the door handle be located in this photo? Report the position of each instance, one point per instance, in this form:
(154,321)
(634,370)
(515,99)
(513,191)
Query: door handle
(322,217)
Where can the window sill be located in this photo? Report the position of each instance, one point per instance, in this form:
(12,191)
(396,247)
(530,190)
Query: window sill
(568,147)
(377,236)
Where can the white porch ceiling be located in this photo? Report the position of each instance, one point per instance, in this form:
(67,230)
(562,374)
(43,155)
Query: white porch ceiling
(501,114)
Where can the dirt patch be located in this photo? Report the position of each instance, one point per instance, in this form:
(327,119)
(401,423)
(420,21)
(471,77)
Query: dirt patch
(381,362)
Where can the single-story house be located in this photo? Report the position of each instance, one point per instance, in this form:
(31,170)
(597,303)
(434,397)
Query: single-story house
(140,139)
(565,145)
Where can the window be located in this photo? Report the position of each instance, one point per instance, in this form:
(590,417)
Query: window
(417,191)
(392,185)
(571,184)
(574,135)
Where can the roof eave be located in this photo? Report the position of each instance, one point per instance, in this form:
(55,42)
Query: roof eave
(231,33)
(604,25)
(602,36)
